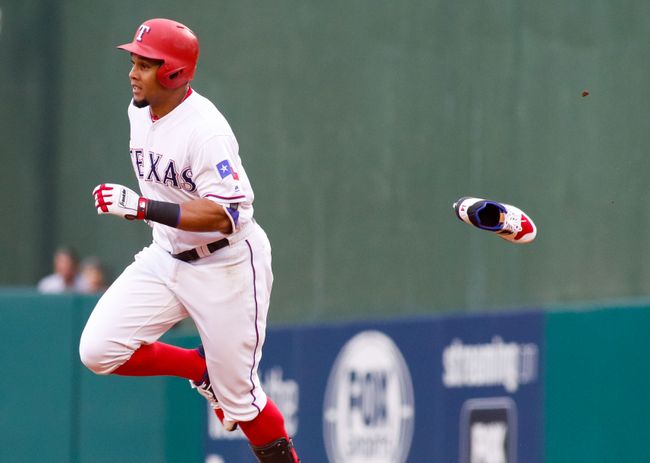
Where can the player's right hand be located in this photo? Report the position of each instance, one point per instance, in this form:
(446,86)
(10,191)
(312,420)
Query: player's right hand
(111,198)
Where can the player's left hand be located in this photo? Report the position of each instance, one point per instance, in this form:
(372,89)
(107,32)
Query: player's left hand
(111,198)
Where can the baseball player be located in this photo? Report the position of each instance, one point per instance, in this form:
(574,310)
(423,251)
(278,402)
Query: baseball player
(209,259)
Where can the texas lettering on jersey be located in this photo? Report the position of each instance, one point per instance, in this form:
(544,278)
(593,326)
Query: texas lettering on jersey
(153,167)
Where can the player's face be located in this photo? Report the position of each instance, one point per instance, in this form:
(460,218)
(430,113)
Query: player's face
(144,84)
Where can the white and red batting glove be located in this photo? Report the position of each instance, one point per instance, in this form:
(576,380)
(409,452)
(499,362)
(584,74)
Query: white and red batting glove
(111,198)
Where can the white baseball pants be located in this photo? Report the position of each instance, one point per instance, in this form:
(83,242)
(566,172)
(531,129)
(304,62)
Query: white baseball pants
(227,296)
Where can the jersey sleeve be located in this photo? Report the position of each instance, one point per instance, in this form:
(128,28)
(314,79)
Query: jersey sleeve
(218,173)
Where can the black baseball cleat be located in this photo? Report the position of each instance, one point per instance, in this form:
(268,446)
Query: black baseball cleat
(278,451)
(507,221)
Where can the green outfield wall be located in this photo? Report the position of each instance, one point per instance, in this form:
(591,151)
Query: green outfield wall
(598,385)
(359,123)
(53,409)
(595,377)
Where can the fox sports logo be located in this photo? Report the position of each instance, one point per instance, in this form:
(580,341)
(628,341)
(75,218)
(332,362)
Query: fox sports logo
(368,413)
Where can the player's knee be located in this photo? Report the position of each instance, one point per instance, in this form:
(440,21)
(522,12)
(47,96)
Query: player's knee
(94,356)
(91,358)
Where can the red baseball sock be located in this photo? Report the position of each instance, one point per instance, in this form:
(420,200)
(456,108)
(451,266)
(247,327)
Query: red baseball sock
(219,413)
(267,427)
(160,359)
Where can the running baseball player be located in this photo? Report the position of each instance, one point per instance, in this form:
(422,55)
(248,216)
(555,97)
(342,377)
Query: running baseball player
(209,259)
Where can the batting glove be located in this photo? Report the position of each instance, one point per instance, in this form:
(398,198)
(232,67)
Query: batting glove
(111,198)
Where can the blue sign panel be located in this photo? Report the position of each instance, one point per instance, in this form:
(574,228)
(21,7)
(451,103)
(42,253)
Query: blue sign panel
(451,389)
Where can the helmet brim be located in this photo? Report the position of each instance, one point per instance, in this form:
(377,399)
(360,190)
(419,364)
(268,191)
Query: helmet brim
(141,50)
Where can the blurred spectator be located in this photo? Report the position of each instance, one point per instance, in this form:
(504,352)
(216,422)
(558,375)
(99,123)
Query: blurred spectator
(93,276)
(65,277)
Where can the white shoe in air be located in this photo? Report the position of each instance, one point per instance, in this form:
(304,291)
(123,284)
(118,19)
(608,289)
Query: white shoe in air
(507,221)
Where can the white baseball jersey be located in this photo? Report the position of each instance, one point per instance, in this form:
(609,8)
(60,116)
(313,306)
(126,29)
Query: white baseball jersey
(191,153)
(188,154)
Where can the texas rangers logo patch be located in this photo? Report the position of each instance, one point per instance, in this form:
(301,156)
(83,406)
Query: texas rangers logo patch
(225,170)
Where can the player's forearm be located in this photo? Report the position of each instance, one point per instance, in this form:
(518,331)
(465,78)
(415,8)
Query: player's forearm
(200,215)
(203,215)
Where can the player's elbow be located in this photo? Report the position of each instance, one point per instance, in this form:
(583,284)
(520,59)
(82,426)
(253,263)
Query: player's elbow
(221,218)
(224,225)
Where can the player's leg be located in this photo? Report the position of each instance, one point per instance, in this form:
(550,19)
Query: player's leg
(121,333)
(160,359)
(268,436)
(260,431)
(228,297)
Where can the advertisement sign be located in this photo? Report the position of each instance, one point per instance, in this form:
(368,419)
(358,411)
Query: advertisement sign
(461,389)
(368,412)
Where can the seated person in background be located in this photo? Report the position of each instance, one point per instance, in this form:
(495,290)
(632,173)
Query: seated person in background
(65,277)
(93,276)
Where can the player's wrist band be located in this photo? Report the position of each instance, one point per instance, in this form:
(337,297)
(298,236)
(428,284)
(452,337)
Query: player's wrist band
(159,211)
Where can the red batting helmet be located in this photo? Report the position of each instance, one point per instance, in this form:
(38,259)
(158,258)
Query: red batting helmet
(170,42)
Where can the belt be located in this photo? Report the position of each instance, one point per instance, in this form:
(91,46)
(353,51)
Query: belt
(193,254)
